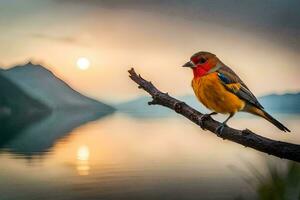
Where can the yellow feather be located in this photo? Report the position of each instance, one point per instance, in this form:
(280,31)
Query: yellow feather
(212,94)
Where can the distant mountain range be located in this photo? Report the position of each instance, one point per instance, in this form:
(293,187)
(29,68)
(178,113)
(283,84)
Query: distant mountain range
(33,87)
(286,104)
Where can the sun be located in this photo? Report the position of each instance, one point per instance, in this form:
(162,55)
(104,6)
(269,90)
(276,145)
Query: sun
(83,63)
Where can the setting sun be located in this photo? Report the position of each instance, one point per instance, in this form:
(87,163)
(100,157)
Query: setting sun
(83,63)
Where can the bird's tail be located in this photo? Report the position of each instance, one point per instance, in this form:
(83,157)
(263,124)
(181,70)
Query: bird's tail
(267,116)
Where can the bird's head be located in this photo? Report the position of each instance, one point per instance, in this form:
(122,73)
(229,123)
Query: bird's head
(202,63)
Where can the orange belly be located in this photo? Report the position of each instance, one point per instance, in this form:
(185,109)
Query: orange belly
(212,94)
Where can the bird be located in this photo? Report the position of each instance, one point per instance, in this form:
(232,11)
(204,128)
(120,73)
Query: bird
(221,90)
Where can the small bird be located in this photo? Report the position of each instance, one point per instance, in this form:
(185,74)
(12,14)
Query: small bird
(221,90)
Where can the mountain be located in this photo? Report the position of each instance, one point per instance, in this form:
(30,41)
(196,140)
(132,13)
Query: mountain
(274,103)
(17,109)
(284,103)
(43,85)
(14,101)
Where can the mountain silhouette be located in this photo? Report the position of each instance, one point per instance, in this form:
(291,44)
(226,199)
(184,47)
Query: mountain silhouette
(282,103)
(13,100)
(43,85)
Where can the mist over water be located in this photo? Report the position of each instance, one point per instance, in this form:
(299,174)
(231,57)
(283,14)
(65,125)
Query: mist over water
(120,156)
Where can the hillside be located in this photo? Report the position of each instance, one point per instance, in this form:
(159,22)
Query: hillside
(42,84)
(14,101)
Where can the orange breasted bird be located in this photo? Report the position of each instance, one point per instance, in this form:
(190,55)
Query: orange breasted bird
(221,90)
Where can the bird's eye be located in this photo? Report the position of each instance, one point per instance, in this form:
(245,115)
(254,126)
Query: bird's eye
(202,60)
(198,59)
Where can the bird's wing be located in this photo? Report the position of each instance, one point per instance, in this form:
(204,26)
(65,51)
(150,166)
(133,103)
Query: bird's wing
(235,85)
(228,71)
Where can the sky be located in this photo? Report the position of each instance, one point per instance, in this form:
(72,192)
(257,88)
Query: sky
(260,40)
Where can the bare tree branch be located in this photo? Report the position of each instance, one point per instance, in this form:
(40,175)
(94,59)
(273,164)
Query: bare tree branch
(243,137)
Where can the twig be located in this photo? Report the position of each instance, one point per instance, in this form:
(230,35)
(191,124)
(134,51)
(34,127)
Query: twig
(244,137)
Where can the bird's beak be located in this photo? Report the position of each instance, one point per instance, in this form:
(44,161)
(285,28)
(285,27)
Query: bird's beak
(189,64)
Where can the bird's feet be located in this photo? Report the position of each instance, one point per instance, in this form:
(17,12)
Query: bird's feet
(203,118)
(219,129)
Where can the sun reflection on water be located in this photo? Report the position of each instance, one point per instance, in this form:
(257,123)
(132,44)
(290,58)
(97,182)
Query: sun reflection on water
(83,155)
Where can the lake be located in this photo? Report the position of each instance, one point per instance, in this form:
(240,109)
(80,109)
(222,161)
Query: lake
(119,156)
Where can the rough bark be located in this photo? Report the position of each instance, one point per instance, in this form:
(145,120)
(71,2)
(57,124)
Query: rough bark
(244,137)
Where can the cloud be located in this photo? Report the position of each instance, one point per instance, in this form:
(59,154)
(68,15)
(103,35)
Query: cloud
(276,20)
(64,39)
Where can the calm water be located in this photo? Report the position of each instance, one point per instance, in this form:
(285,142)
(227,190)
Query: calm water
(120,157)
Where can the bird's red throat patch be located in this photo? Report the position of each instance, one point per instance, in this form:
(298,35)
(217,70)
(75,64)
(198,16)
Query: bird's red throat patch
(201,70)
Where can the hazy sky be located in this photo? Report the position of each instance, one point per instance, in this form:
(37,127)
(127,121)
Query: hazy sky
(260,40)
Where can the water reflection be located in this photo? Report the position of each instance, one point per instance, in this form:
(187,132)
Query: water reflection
(119,157)
(83,154)
(38,136)
(11,125)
